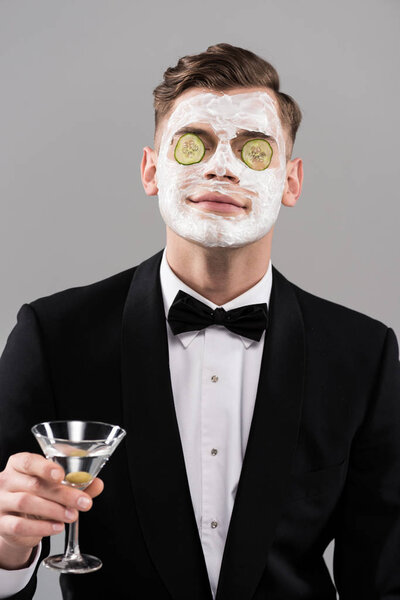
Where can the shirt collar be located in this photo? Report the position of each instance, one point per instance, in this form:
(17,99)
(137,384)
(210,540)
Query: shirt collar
(171,284)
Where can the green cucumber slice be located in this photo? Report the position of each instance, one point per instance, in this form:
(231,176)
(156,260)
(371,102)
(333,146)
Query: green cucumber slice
(257,154)
(189,150)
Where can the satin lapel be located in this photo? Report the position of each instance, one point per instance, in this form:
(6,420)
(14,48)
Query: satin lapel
(155,455)
(271,444)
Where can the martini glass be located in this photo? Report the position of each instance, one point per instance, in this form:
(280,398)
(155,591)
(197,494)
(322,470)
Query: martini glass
(81,448)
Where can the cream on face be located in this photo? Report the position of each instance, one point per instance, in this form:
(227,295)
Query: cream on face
(222,170)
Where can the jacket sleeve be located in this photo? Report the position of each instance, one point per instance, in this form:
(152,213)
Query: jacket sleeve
(366,561)
(26,398)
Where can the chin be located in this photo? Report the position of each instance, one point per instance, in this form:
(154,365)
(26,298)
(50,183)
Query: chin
(209,230)
(210,241)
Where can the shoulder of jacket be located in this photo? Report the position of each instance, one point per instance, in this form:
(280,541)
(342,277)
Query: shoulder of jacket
(321,314)
(110,289)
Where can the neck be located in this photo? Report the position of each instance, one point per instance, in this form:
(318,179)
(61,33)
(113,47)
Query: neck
(218,274)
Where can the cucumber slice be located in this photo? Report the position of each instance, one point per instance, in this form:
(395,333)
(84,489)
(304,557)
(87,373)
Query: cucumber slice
(257,154)
(189,150)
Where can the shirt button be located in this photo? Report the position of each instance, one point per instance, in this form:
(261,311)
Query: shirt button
(214,451)
(214,378)
(214,524)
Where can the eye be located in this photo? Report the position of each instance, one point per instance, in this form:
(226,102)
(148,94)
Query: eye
(189,149)
(257,154)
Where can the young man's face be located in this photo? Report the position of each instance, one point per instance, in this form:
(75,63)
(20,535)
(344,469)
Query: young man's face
(222,185)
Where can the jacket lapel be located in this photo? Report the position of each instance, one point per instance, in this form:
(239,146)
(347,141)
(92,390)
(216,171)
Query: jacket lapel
(156,461)
(271,444)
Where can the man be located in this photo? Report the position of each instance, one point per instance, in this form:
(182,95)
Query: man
(262,422)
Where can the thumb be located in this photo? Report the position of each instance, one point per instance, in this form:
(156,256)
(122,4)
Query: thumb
(95,488)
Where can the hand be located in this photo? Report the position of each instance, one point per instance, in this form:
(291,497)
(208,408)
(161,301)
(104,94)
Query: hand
(34,504)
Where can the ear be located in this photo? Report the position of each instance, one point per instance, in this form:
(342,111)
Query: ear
(148,170)
(293,183)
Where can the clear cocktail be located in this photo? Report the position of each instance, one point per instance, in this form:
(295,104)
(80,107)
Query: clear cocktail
(81,448)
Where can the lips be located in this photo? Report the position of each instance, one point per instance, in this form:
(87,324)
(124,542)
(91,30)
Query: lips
(219,198)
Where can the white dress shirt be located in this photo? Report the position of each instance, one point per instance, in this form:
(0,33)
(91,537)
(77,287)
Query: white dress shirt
(214,376)
(12,582)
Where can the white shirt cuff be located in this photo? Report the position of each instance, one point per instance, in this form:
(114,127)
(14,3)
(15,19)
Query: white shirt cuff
(12,582)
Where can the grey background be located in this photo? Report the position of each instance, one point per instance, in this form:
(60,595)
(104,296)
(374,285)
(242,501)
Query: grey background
(76,110)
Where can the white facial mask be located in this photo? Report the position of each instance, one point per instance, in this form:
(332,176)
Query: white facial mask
(260,190)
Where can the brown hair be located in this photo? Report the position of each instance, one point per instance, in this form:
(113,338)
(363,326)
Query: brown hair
(222,67)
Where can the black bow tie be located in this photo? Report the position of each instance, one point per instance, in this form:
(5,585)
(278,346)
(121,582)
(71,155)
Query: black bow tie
(189,314)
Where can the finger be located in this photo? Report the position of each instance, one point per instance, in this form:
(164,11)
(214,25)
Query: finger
(62,494)
(23,503)
(20,482)
(36,465)
(95,488)
(17,526)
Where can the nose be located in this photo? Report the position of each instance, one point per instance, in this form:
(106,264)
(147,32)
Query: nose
(221,174)
(218,166)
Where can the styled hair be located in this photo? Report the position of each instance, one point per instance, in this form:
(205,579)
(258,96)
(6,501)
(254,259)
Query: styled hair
(222,67)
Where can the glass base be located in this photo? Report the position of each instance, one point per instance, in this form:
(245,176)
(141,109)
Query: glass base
(75,564)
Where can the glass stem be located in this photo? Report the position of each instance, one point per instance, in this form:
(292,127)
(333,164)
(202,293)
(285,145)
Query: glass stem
(72,550)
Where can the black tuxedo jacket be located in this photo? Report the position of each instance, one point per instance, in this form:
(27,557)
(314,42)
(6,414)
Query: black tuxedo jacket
(322,460)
